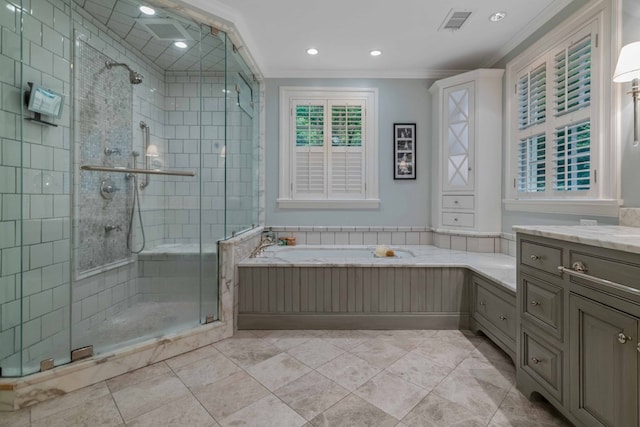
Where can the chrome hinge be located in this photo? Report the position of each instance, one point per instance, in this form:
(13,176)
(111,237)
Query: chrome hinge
(81,353)
(237,88)
(514,183)
(235,49)
(595,176)
(597,39)
(515,88)
(46,364)
(210,318)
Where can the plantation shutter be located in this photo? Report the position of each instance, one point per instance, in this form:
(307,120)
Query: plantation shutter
(573,77)
(554,124)
(532,97)
(345,150)
(532,164)
(309,159)
(572,157)
(572,127)
(531,94)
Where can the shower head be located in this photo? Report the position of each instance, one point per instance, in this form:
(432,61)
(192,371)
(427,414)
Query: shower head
(134,77)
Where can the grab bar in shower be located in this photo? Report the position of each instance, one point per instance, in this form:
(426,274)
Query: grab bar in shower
(133,170)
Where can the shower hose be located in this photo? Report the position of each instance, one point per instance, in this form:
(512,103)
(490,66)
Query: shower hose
(136,201)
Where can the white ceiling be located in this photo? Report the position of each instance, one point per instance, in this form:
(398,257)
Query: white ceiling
(277,33)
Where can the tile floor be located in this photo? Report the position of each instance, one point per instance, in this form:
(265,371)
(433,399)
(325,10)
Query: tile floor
(309,378)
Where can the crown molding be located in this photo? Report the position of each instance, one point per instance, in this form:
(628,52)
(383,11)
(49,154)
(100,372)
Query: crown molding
(361,74)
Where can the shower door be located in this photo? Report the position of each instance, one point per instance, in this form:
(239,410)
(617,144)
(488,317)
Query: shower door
(137,178)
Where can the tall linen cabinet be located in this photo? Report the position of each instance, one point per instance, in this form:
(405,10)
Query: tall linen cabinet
(467,156)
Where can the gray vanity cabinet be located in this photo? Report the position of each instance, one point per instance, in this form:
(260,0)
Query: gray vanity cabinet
(578,328)
(493,311)
(604,368)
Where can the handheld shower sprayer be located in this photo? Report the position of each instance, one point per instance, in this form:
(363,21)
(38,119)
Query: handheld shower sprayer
(134,77)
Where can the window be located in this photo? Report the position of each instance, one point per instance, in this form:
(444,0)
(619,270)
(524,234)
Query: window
(328,148)
(558,122)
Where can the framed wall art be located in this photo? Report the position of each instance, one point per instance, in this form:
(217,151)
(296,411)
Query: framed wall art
(404,151)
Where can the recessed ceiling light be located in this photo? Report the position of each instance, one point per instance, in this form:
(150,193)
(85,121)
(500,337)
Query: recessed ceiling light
(498,16)
(147,10)
(181,45)
(312,51)
(375,53)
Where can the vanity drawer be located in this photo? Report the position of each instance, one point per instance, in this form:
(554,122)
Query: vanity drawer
(543,362)
(605,267)
(541,257)
(493,309)
(457,219)
(542,304)
(457,202)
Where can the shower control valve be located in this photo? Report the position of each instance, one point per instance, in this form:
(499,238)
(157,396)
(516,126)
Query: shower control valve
(109,228)
(107,189)
(109,151)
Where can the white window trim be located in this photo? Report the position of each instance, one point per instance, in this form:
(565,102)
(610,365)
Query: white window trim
(285,198)
(606,200)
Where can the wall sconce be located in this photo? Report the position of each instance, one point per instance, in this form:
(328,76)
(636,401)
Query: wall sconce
(628,70)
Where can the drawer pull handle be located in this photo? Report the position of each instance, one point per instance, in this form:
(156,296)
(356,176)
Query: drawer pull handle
(534,302)
(483,303)
(455,219)
(455,202)
(502,317)
(638,347)
(534,257)
(623,338)
(535,360)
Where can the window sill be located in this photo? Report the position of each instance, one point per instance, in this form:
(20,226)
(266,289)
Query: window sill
(595,207)
(329,204)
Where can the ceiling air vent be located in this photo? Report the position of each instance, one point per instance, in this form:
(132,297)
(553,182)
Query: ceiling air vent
(455,20)
(165,29)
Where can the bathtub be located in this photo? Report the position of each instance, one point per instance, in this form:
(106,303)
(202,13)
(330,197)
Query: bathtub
(310,253)
(346,287)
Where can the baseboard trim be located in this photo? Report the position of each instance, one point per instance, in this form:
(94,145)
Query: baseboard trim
(354,321)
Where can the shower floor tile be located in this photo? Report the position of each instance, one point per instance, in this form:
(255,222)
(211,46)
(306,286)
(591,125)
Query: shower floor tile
(394,378)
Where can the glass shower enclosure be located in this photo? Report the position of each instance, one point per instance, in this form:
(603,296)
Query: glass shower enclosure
(111,211)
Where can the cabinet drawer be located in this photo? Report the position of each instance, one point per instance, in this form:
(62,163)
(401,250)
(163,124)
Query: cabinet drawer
(542,305)
(541,257)
(543,362)
(495,310)
(614,270)
(457,202)
(457,219)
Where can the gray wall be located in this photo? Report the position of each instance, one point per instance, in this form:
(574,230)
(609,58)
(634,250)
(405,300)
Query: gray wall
(630,155)
(404,203)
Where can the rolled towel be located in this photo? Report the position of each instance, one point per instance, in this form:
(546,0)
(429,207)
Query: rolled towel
(381,250)
(390,253)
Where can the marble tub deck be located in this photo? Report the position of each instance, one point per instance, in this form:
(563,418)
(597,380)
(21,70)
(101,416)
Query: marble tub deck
(497,267)
(309,378)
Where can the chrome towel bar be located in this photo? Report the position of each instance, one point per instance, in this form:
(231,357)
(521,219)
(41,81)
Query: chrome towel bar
(598,280)
(133,170)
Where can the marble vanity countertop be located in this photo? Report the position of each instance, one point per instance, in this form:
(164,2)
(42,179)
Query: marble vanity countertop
(616,237)
(497,267)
